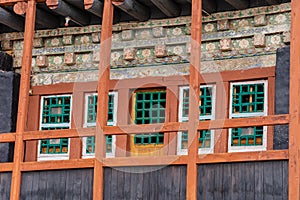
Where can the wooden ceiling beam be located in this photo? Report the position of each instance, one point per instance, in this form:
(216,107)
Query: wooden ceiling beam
(209,6)
(43,18)
(133,8)
(94,6)
(238,4)
(62,8)
(168,7)
(11,20)
(272,2)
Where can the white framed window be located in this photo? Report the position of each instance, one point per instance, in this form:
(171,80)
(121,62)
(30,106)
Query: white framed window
(207,109)
(90,114)
(248,99)
(55,113)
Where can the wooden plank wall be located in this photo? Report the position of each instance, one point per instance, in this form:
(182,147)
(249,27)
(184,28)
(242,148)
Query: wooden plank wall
(5,181)
(160,183)
(247,181)
(62,184)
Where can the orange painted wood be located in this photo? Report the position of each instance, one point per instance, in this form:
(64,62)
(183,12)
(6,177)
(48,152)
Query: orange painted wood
(243,157)
(23,99)
(170,138)
(31,150)
(7,137)
(294,127)
(6,167)
(194,92)
(271,111)
(103,89)
(58,164)
(122,145)
(152,128)
(222,109)
(145,161)
(20,8)
(56,134)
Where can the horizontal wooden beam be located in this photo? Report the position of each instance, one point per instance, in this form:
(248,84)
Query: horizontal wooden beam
(7,137)
(57,165)
(133,8)
(12,2)
(6,167)
(61,133)
(270,120)
(145,161)
(243,157)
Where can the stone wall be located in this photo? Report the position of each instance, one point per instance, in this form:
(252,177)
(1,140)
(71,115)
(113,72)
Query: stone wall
(231,41)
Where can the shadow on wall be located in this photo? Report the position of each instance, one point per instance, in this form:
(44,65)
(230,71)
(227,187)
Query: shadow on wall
(282,94)
(9,93)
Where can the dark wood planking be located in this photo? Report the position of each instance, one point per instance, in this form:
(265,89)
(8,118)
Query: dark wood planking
(113,184)
(249,180)
(107,181)
(238,4)
(168,7)
(5,181)
(62,184)
(121,182)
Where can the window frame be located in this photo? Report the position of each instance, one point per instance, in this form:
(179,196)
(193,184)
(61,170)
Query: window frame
(46,157)
(86,124)
(210,150)
(246,148)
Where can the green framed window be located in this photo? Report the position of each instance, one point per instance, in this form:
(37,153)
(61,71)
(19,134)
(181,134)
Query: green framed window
(206,104)
(55,114)
(150,109)
(207,112)
(205,139)
(252,136)
(248,99)
(90,121)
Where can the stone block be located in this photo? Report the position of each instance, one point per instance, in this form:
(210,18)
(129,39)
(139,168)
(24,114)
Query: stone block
(223,25)
(69,58)
(127,35)
(68,39)
(226,44)
(158,32)
(259,40)
(260,20)
(38,42)
(161,50)
(286,37)
(129,53)
(42,61)
(96,56)
(7,45)
(96,37)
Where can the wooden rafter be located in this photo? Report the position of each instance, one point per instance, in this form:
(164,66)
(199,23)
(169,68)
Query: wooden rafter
(238,4)
(168,7)
(94,6)
(133,8)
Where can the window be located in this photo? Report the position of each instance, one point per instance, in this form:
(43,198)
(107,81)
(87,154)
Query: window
(207,110)
(55,114)
(149,108)
(90,121)
(248,99)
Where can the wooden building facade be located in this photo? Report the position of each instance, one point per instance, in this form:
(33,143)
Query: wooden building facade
(199,99)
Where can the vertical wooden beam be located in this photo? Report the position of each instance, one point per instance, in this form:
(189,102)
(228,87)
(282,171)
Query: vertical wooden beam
(170,139)
(122,146)
(294,136)
(222,98)
(23,100)
(196,35)
(103,90)
(271,111)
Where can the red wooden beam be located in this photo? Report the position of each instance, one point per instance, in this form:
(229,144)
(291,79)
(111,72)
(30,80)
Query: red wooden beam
(23,99)
(294,136)
(103,89)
